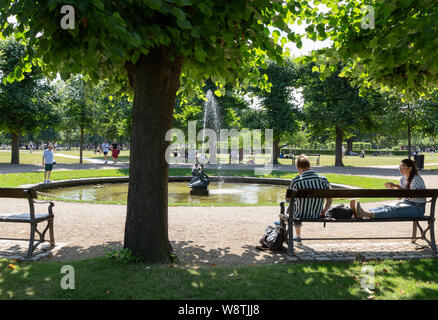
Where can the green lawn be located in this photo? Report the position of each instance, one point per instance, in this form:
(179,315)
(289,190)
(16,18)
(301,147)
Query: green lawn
(350,161)
(35,157)
(325,160)
(101,278)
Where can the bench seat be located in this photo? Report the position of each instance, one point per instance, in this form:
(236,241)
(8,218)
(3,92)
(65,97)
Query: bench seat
(23,217)
(286,221)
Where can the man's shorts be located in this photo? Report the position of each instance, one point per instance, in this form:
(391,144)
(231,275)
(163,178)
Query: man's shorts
(48,167)
(105,152)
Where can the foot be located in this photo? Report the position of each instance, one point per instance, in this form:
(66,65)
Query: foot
(297,240)
(353,207)
(363,214)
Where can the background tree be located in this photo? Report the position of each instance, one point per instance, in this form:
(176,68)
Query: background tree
(333,104)
(279,104)
(27,105)
(78,113)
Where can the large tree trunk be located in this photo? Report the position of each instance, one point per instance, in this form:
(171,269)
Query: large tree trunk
(338,154)
(275,151)
(155,80)
(409,141)
(81,147)
(15,152)
(349,145)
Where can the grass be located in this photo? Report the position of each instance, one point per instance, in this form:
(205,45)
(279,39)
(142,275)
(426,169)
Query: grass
(102,278)
(325,160)
(35,158)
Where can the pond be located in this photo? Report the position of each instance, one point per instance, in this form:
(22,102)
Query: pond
(179,192)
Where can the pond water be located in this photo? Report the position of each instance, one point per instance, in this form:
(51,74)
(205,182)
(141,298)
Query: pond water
(179,192)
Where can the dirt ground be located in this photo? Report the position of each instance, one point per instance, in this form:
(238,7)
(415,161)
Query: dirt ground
(199,235)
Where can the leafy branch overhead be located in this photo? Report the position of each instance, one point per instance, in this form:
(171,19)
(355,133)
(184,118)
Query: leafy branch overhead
(214,39)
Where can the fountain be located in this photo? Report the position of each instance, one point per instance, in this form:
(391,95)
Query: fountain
(199,183)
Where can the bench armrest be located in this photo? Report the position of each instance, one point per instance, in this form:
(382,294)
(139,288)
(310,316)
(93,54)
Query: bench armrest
(43,202)
(51,205)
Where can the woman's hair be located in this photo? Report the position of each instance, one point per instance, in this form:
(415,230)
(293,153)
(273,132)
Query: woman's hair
(411,164)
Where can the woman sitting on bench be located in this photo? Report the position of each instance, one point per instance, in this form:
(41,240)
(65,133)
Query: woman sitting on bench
(408,208)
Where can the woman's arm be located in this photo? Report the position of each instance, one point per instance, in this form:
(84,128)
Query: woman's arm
(392,185)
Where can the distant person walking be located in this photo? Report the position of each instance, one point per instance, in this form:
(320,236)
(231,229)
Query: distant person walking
(105,149)
(115,151)
(48,163)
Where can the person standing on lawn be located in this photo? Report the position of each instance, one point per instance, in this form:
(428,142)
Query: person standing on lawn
(115,151)
(48,162)
(105,148)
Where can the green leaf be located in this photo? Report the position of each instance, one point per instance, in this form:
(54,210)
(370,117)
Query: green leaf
(200,54)
(315,69)
(99,4)
(154,4)
(135,56)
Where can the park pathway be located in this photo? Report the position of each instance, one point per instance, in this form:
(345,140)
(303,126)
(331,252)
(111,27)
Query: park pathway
(211,236)
(83,158)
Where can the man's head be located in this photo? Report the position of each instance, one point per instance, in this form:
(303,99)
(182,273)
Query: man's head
(50,146)
(303,163)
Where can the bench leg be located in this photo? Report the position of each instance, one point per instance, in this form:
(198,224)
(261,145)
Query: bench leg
(414,231)
(432,236)
(290,240)
(51,233)
(32,239)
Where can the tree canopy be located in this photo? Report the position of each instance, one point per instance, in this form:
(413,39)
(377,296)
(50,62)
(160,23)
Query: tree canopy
(389,45)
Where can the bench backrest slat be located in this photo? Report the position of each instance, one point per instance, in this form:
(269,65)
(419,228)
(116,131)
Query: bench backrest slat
(17,193)
(365,193)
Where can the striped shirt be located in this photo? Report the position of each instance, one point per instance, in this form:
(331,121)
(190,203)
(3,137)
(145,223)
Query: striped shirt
(309,208)
(416,183)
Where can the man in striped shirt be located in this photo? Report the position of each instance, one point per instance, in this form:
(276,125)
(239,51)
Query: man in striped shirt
(308,207)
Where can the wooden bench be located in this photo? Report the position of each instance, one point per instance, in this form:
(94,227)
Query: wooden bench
(30,217)
(364,193)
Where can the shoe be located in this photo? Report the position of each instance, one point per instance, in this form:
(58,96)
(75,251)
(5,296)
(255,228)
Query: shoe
(277,223)
(297,240)
(45,181)
(48,181)
(353,207)
(360,211)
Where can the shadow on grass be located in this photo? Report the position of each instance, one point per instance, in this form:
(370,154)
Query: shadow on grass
(202,274)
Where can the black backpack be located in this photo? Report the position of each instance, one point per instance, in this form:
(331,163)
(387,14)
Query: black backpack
(273,238)
(339,211)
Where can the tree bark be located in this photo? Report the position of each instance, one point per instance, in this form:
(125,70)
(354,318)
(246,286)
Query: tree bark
(81,147)
(409,141)
(338,153)
(349,145)
(275,151)
(15,152)
(155,80)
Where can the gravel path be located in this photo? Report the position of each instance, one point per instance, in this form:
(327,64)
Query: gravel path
(213,236)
